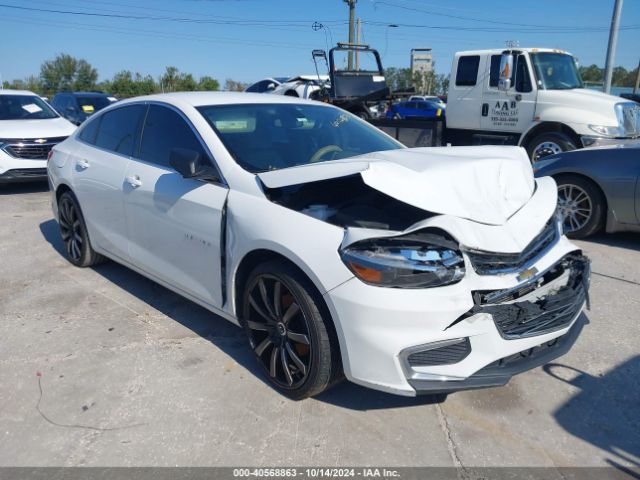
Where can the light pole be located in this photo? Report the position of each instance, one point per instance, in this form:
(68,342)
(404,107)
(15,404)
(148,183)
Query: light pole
(386,37)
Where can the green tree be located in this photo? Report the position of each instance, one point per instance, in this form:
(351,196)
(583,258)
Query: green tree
(67,73)
(208,83)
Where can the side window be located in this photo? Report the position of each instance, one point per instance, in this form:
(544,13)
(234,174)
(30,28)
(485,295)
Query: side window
(519,76)
(467,73)
(164,129)
(119,129)
(523,80)
(89,130)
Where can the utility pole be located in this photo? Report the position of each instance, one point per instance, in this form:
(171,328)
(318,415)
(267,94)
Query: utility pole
(637,85)
(613,42)
(358,32)
(352,17)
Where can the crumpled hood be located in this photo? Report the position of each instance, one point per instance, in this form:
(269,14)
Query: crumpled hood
(485,184)
(43,128)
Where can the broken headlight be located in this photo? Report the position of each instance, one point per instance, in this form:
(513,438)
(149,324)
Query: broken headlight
(419,260)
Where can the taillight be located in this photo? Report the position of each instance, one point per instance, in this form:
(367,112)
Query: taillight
(49,155)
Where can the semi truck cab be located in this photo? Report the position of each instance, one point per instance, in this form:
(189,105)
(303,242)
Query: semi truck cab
(535,98)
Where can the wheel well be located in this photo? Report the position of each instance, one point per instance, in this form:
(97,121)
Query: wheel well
(587,179)
(291,93)
(255,258)
(247,264)
(548,127)
(62,189)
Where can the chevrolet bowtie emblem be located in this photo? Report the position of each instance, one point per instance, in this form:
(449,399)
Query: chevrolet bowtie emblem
(527,274)
(41,140)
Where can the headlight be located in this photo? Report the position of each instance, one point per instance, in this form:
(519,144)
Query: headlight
(607,131)
(419,260)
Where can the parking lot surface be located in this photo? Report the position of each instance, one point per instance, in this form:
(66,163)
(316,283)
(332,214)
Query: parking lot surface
(102,367)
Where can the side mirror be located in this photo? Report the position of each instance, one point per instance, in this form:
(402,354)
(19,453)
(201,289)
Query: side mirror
(271,86)
(506,67)
(190,164)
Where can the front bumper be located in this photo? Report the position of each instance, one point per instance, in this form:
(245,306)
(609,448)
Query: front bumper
(15,170)
(595,141)
(500,372)
(379,327)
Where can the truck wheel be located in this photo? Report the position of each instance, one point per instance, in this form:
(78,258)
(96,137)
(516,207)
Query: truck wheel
(549,143)
(581,204)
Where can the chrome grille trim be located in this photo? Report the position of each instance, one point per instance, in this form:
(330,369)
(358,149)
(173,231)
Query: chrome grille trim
(491,263)
(29,149)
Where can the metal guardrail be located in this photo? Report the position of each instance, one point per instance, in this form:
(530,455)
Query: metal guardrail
(413,133)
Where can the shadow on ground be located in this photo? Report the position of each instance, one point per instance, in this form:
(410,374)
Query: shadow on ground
(629,240)
(606,410)
(223,334)
(22,188)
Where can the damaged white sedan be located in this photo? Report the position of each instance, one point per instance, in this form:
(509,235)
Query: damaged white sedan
(339,251)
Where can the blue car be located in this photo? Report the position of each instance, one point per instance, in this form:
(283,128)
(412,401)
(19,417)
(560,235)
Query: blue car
(415,109)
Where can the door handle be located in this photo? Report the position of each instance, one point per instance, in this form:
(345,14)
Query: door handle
(134,181)
(83,164)
(485,109)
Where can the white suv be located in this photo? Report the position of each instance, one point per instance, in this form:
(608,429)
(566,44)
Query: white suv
(336,248)
(29,128)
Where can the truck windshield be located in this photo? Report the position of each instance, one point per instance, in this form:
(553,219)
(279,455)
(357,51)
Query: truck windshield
(24,107)
(556,71)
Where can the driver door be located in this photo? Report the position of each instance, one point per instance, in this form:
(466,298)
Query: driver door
(174,223)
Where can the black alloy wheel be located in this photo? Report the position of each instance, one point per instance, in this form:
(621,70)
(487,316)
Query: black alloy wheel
(74,232)
(287,332)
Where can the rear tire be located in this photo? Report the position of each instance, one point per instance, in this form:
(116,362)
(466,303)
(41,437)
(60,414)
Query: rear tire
(291,337)
(73,230)
(549,143)
(582,205)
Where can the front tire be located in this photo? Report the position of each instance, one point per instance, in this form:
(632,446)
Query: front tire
(73,231)
(290,336)
(581,204)
(549,143)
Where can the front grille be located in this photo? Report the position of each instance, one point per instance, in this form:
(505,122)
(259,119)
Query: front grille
(29,149)
(26,172)
(631,119)
(488,263)
(525,311)
(443,355)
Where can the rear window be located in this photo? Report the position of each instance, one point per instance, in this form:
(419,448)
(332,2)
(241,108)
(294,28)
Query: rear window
(467,73)
(92,104)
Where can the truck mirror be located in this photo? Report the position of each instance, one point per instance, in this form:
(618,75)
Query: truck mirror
(506,67)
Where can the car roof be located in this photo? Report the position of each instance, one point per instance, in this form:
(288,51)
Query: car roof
(85,94)
(198,99)
(17,92)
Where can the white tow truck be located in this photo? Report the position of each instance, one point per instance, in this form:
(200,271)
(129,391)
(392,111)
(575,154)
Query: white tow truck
(534,98)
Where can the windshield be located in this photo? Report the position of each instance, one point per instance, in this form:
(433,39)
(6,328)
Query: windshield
(263,137)
(24,107)
(556,71)
(92,103)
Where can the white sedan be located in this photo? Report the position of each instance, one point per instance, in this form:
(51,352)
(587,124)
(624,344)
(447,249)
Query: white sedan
(339,251)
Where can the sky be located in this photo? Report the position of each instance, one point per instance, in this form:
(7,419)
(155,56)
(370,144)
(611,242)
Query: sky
(247,40)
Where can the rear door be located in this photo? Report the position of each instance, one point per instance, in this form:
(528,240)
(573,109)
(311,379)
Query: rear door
(464,102)
(174,223)
(100,161)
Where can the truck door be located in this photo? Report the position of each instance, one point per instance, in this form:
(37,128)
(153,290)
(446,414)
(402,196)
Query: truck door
(513,110)
(465,92)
